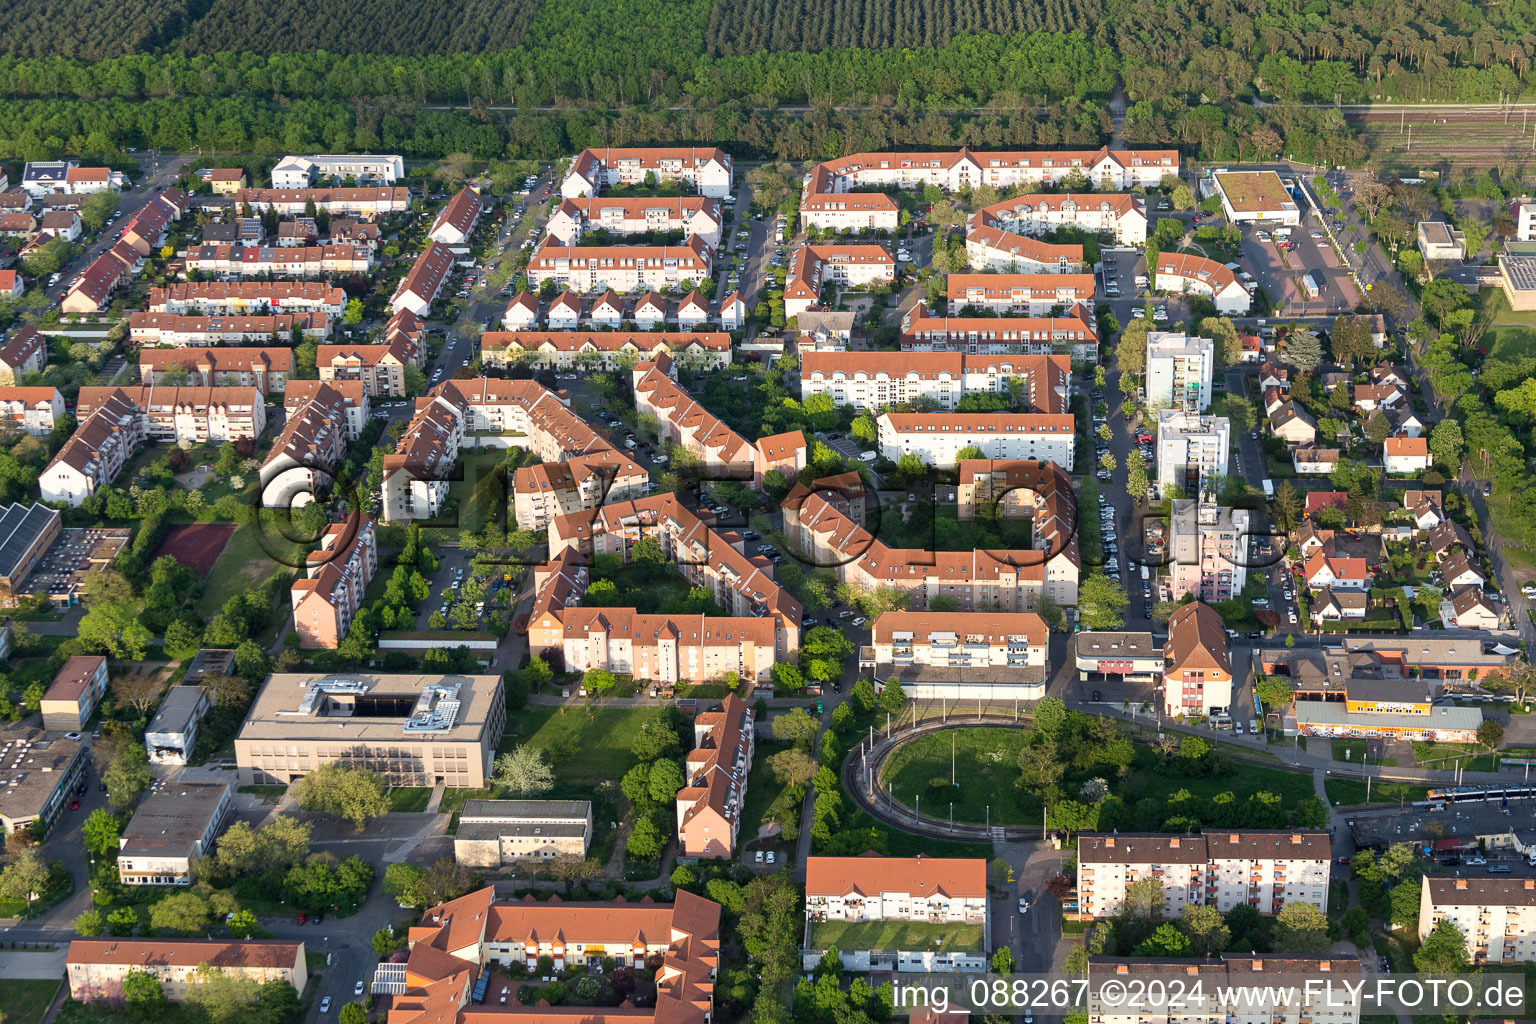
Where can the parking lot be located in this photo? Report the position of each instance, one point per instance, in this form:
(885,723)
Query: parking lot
(1280,272)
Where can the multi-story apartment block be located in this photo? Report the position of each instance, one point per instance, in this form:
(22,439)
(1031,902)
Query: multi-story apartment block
(668,648)
(546,491)
(303,171)
(686,423)
(1121,216)
(279,261)
(379,368)
(1072,334)
(71,699)
(470,937)
(706,168)
(354,401)
(990,247)
(174,414)
(1029,294)
(93,456)
(265,369)
(325,603)
(843,892)
(1197,667)
(1179,370)
(415,730)
(742,586)
(608,350)
(305,457)
(1185,272)
(1266,869)
(621,268)
(1497,916)
(692,215)
(173,828)
(907,643)
(152,330)
(813,267)
(1227,989)
(223,298)
(35,410)
(456,222)
(24,351)
(1011,581)
(422,284)
(1190,449)
(875,380)
(371,202)
(97,967)
(715,770)
(939,438)
(1207,550)
(171,736)
(497,833)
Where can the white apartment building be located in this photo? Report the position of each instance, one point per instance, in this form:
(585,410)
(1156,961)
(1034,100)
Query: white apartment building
(456,222)
(1208,981)
(174,414)
(304,171)
(223,298)
(33,409)
(841,890)
(1029,294)
(1497,915)
(847,266)
(938,438)
(906,643)
(279,261)
(874,380)
(1264,868)
(1524,212)
(1207,550)
(1119,215)
(372,202)
(998,335)
(1179,370)
(621,268)
(94,454)
(706,168)
(1196,275)
(692,215)
(1190,448)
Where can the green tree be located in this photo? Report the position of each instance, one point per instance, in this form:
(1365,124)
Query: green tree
(892,697)
(1490,733)
(1167,940)
(122,921)
(1301,930)
(143,996)
(1145,898)
(525,771)
(1273,692)
(127,776)
(645,841)
(1206,929)
(352,1013)
(863,694)
(101,832)
(89,923)
(1443,951)
(243,925)
(1446,443)
(403,882)
(665,779)
(1101,602)
(385,941)
(1002,961)
(183,912)
(795,726)
(355,794)
(354,312)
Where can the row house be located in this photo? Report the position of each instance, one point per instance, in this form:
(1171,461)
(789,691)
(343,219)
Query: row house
(939,438)
(1002,581)
(456,222)
(34,410)
(305,457)
(380,368)
(691,215)
(740,584)
(1496,916)
(621,268)
(1030,294)
(876,380)
(1207,550)
(23,351)
(608,350)
(265,369)
(850,211)
(466,941)
(612,311)
(371,203)
(92,290)
(336,577)
(1014,642)
(1196,275)
(280,261)
(225,298)
(420,287)
(154,330)
(546,491)
(715,771)
(1000,335)
(1122,217)
(1263,868)
(925,890)
(1197,667)
(94,454)
(706,168)
(175,414)
(813,267)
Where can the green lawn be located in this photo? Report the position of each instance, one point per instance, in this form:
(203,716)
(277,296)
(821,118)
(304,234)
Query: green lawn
(1448,755)
(986,765)
(912,935)
(480,493)
(1357,752)
(25,1000)
(1243,781)
(763,790)
(250,558)
(1510,341)
(584,745)
(939,528)
(410,799)
(1351,792)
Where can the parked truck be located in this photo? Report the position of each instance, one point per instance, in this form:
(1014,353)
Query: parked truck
(1269,488)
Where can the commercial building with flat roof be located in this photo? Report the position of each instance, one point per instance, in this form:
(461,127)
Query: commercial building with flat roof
(37,772)
(1517,275)
(26,534)
(415,730)
(1442,724)
(1248,196)
(1125,657)
(494,833)
(175,825)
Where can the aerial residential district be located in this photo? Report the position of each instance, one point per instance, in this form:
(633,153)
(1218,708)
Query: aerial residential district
(646,585)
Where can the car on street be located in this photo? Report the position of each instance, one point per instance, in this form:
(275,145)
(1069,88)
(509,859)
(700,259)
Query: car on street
(325,1005)
(357,989)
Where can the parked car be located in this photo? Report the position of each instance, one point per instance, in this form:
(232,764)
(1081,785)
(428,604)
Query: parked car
(325,1005)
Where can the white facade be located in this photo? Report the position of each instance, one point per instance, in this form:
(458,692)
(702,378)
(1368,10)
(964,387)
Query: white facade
(937,438)
(704,167)
(303,171)
(1179,370)
(874,380)
(1525,219)
(1190,449)
(35,409)
(1497,916)
(695,215)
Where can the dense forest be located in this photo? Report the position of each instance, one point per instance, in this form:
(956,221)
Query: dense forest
(358,26)
(738,27)
(91,29)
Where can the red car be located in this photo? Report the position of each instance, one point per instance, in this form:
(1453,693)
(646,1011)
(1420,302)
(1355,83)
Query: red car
(303,918)
(74,805)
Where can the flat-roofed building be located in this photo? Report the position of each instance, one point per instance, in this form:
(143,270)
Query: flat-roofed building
(75,692)
(415,730)
(1118,657)
(96,967)
(173,827)
(1496,916)
(1191,448)
(1252,196)
(495,833)
(1228,989)
(1207,550)
(302,171)
(26,534)
(1179,370)
(38,774)
(1439,241)
(171,736)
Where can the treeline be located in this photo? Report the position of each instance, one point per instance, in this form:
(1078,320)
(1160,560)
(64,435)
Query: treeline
(360,26)
(750,26)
